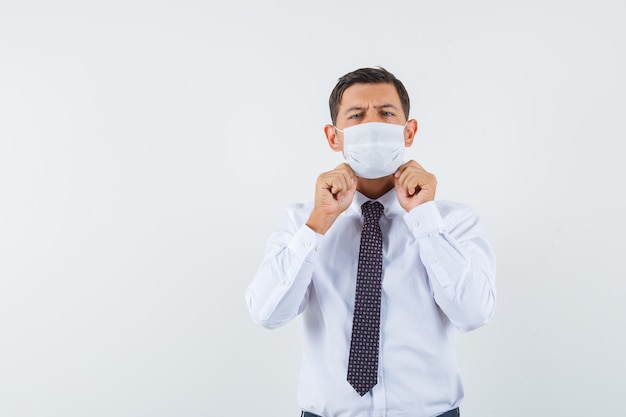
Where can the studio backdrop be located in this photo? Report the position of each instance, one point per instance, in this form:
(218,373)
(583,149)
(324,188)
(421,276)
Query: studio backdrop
(148,149)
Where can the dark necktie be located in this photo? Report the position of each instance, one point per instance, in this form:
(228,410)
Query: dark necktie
(363,360)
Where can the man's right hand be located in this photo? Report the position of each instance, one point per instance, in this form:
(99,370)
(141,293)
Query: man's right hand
(334,191)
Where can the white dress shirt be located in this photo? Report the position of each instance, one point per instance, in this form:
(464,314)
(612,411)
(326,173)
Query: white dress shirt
(438,276)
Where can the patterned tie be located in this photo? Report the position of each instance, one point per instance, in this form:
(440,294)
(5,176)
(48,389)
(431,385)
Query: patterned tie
(363,360)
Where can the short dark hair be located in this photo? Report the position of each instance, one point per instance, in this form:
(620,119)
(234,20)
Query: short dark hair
(366,76)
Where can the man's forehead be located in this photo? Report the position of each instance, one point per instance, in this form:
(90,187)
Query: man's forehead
(366,92)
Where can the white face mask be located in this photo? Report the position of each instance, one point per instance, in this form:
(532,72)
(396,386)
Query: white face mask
(373,150)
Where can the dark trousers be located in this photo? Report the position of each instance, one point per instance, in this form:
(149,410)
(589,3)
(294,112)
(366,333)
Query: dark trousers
(451,413)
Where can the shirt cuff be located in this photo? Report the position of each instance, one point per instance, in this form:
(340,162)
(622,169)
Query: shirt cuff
(305,243)
(424,220)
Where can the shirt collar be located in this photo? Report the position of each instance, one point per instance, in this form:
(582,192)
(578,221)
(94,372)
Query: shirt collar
(389,200)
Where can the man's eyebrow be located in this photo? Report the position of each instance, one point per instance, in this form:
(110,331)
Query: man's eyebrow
(353,108)
(384,106)
(380,106)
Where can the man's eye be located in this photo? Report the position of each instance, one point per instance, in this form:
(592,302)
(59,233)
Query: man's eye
(388,114)
(355,116)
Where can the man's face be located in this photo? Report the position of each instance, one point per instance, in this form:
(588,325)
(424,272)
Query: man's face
(364,103)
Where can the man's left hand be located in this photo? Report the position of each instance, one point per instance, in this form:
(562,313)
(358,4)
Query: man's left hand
(414,185)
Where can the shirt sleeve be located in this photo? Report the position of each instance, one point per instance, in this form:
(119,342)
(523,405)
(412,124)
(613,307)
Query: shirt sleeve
(459,261)
(279,289)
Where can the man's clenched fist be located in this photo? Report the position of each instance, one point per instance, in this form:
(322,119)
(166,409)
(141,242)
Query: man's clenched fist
(414,185)
(334,191)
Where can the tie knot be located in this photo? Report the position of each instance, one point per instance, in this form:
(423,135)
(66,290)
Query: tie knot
(372,210)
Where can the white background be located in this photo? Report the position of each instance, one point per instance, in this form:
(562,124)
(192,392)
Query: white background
(147,150)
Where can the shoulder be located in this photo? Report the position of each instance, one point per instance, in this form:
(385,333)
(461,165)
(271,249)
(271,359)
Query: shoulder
(298,213)
(452,207)
(300,207)
(454,212)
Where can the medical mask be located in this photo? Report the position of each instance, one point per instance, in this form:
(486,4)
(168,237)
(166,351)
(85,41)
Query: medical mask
(373,150)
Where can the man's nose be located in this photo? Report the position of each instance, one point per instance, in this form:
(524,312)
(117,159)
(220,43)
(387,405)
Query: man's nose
(372,117)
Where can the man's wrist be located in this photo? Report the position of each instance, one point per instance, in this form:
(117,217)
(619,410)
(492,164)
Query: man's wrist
(320,223)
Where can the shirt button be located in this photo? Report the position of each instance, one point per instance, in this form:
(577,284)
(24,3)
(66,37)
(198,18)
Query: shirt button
(317,248)
(307,244)
(416,223)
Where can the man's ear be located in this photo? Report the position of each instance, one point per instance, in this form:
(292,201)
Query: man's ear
(331,137)
(409,132)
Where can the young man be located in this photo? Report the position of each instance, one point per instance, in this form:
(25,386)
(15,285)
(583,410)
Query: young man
(382,287)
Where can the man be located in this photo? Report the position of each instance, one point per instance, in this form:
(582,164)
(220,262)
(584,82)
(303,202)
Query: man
(379,330)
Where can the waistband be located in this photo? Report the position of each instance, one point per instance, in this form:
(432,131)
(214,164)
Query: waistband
(452,413)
